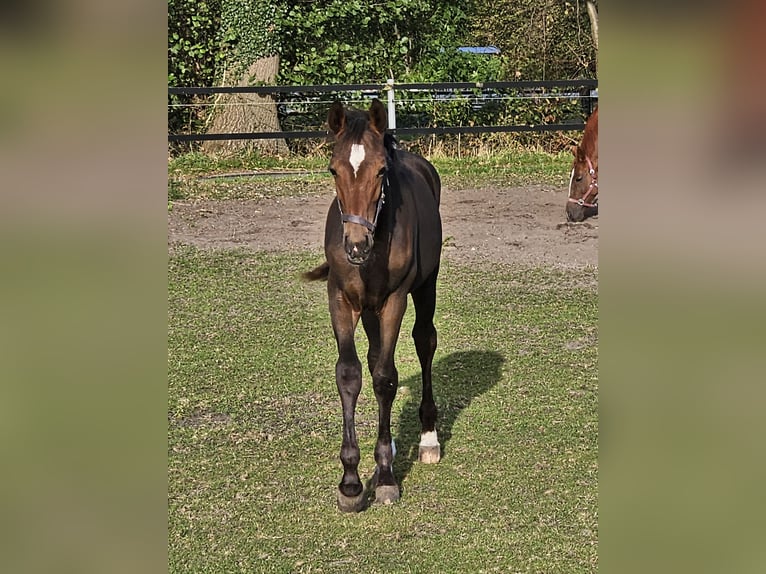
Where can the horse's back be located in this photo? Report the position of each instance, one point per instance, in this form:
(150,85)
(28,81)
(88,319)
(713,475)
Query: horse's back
(422,168)
(419,179)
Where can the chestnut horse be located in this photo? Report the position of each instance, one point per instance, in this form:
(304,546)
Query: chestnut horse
(382,242)
(583,181)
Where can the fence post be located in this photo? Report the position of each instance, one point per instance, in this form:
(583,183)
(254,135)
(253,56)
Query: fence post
(391,106)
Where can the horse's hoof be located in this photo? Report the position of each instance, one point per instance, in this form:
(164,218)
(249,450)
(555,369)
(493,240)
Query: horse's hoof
(351,503)
(429,454)
(386,494)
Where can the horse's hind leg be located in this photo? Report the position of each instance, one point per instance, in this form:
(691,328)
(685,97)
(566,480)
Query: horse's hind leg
(424,335)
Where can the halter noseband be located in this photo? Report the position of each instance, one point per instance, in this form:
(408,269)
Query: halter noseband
(593,186)
(350,218)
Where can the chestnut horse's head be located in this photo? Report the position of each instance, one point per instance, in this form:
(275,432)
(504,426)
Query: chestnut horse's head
(359,164)
(583,181)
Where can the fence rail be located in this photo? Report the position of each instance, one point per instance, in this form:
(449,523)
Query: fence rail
(582,89)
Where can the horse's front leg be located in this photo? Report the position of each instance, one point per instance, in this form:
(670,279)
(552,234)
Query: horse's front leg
(385,381)
(348,377)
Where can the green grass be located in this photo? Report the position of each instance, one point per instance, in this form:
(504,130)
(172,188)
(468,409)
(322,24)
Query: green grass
(512,168)
(188,174)
(254,425)
(192,176)
(200,163)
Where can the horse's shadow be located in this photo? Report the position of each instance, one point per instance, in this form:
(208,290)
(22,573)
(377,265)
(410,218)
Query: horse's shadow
(457,379)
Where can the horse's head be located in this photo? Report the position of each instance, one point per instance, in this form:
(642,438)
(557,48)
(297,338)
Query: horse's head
(583,186)
(359,166)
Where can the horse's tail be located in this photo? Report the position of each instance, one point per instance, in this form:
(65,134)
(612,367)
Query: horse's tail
(317,274)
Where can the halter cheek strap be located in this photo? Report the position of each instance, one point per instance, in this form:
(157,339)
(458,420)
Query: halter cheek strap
(591,188)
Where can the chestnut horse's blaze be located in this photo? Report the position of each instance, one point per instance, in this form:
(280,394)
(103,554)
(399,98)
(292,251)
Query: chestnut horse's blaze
(382,242)
(583,181)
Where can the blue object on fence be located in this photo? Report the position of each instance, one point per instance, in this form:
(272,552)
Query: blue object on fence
(479,49)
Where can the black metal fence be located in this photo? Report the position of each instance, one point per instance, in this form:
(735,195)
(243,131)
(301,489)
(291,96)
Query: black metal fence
(306,106)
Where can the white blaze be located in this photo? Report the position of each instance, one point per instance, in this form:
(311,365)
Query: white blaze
(356,157)
(571,179)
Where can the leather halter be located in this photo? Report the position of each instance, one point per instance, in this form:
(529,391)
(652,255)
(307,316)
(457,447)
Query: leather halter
(593,186)
(350,218)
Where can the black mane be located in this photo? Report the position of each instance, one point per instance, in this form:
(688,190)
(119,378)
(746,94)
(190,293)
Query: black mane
(389,142)
(356,124)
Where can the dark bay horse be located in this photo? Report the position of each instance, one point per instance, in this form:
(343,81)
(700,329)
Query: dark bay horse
(583,181)
(382,242)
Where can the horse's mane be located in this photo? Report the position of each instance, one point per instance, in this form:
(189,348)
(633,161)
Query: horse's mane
(589,142)
(356,124)
(389,142)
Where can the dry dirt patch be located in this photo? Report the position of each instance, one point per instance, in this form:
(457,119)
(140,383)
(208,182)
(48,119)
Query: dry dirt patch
(522,225)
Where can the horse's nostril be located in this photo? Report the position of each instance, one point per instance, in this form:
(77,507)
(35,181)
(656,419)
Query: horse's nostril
(358,251)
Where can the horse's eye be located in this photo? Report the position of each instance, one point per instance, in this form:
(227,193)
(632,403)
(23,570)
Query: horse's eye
(578,178)
(381,172)
(333,172)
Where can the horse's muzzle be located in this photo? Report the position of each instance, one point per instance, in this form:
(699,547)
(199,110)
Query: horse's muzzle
(358,252)
(577,213)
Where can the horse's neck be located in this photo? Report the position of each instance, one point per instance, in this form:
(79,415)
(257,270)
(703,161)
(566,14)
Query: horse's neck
(589,145)
(590,137)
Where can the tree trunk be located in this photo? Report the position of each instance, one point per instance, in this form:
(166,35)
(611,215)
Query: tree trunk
(234,113)
(593,15)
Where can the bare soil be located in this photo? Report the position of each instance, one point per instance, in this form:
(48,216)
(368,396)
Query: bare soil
(522,226)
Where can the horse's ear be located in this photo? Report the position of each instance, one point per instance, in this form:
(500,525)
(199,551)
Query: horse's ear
(378,116)
(578,152)
(336,118)
(573,149)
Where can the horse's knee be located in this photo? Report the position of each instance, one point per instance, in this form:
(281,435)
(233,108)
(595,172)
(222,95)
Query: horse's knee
(348,375)
(348,370)
(385,383)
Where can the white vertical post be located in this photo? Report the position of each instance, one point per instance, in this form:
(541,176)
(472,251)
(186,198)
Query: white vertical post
(391,106)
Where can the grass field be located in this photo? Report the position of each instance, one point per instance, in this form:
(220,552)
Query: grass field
(254,425)
(309,175)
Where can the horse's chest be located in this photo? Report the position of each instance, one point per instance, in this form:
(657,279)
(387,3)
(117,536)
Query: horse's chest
(370,290)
